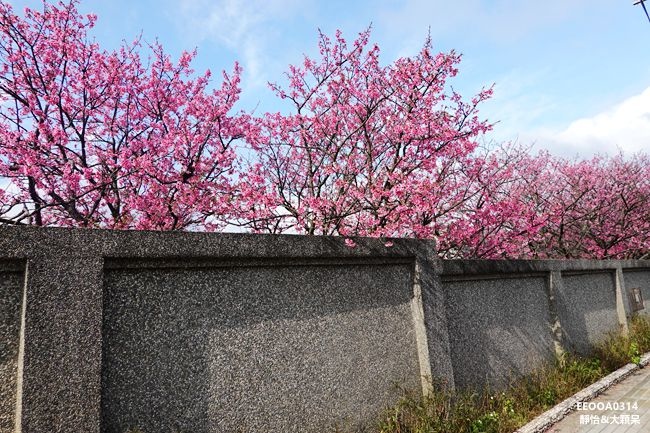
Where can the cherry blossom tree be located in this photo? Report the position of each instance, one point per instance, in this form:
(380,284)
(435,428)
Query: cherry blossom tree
(126,140)
(367,149)
(541,206)
(98,138)
(596,208)
(376,150)
(491,220)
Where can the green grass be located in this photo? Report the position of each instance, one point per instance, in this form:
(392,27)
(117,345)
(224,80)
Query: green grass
(616,350)
(487,411)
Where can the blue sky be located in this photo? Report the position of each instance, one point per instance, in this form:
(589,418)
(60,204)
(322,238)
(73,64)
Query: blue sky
(571,76)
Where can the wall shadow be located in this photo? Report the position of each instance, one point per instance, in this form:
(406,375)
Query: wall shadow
(262,348)
(499,329)
(586,307)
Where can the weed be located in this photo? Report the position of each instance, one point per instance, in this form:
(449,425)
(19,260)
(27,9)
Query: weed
(616,350)
(503,412)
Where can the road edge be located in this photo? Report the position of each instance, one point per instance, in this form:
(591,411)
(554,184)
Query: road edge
(547,419)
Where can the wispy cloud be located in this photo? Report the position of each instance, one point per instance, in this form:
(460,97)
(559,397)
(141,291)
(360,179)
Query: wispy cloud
(249,28)
(625,126)
(518,104)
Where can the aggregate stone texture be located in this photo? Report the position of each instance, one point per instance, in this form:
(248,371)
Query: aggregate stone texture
(62,362)
(639,279)
(586,307)
(237,332)
(11,294)
(499,329)
(278,348)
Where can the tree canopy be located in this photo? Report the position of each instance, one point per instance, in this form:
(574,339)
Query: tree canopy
(131,139)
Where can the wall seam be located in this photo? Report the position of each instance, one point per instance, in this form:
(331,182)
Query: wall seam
(422,343)
(620,302)
(554,280)
(20,363)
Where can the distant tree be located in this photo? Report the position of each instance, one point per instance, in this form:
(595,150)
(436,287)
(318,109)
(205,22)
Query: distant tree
(492,222)
(98,138)
(596,208)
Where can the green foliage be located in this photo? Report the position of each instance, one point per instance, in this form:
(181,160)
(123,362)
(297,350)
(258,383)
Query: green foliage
(616,350)
(486,424)
(487,411)
(634,354)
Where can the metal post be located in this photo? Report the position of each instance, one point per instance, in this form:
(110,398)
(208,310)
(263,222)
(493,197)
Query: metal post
(642,3)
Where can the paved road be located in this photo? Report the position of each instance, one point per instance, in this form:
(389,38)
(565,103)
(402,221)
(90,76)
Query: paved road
(623,408)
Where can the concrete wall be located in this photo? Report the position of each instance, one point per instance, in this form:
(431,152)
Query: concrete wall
(640,279)
(196,332)
(500,326)
(586,303)
(507,317)
(292,346)
(101,331)
(11,297)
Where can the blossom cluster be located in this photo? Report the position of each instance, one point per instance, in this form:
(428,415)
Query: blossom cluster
(131,139)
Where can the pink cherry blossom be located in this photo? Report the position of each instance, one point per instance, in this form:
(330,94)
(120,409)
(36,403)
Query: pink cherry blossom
(133,139)
(98,138)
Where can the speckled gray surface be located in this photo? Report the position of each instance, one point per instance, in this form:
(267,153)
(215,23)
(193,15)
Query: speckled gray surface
(210,332)
(263,348)
(586,306)
(436,321)
(11,294)
(62,368)
(62,361)
(639,279)
(500,328)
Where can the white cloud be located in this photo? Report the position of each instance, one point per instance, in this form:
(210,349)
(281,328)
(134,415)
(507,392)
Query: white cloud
(247,27)
(625,126)
(517,104)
